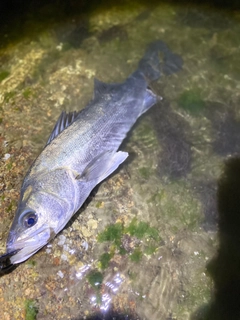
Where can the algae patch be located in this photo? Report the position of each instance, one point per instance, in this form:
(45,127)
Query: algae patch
(112,233)
(105,259)
(27,93)
(191,101)
(136,239)
(31,310)
(145,172)
(4,74)
(31,263)
(141,229)
(95,279)
(136,255)
(9,95)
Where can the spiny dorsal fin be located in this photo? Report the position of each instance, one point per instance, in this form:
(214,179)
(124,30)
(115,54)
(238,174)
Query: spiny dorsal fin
(101,88)
(64,121)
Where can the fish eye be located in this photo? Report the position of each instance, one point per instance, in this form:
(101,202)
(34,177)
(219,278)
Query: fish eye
(30,219)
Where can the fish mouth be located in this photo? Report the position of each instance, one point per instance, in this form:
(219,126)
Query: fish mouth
(25,246)
(5,262)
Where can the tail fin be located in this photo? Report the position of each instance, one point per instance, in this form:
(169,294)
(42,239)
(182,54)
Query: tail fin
(151,66)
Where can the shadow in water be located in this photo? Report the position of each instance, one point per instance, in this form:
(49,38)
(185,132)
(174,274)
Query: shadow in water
(225,267)
(111,315)
(175,156)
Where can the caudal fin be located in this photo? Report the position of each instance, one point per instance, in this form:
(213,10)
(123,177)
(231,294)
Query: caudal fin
(151,66)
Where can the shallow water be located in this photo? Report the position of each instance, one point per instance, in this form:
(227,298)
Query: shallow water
(140,247)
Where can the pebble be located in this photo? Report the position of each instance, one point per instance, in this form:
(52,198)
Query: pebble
(86,232)
(85,245)
(92,224)
(6,156)
(62,240)
(60,274)
(64,257)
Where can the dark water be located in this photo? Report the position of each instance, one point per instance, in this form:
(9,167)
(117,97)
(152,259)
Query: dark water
(159,239)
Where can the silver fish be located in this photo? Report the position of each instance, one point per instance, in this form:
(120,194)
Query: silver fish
(82,151)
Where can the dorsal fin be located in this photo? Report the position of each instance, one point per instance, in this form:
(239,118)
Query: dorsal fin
(64,121)
(101,88)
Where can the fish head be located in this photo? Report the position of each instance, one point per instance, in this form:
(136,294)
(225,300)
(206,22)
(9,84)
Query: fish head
(27,235)
(36,222)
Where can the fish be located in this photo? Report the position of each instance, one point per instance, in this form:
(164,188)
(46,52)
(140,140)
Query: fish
(82,151)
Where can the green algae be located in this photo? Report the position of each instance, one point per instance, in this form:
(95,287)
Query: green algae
(9,165)
(122,251)
(4,74)
(191,101)
(99,204)
(31,263)
(144,172)
(141,229)
(116,233)
(137,229)
(95,279)
(132,275)
(136,255)
(150,249)
(10,206)
(27,93)
(112,233)
(31,310)
(105,259)
(156,197)
(9,95)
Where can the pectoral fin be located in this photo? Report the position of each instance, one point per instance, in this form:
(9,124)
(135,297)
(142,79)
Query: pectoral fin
(102,166)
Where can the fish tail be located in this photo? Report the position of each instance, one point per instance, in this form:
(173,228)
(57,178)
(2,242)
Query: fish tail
(151,66)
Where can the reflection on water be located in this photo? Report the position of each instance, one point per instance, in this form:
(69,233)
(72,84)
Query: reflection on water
(139,248)
(112,288)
